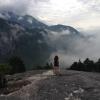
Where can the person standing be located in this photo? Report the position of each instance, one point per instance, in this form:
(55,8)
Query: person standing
(56,69)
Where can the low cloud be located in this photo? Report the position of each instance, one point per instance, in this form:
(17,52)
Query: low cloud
(77,48)
(16,6)
(21,6)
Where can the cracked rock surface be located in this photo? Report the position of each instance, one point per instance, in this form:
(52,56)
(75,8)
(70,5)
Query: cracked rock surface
(72,85)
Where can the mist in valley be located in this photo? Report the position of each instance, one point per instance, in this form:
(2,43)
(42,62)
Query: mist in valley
(82,47)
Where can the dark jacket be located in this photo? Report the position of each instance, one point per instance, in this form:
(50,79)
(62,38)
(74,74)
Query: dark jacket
(56,61)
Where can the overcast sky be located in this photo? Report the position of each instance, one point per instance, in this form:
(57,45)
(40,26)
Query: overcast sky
(83,14)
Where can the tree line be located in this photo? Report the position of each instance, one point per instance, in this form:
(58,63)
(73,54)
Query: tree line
(87,65)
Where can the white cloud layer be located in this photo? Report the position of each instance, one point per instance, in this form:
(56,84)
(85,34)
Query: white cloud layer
(78,13)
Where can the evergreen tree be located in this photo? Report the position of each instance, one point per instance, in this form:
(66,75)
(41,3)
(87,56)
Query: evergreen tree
(97,66)
(17,65)
(74,66)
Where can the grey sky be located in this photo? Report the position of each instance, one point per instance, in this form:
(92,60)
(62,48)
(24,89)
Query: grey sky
(84,14)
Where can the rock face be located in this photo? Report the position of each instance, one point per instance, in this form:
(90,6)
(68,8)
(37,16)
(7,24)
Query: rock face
(72,85)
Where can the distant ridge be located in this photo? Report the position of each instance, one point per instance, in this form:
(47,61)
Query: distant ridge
(32,40)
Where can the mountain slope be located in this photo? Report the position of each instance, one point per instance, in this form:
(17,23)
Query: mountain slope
(26,21)
(60,28)
(32,40)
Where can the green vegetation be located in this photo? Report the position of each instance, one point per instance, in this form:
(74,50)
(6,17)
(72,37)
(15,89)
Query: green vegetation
(5,68)
(14,65)
(17,65)
(88,65)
